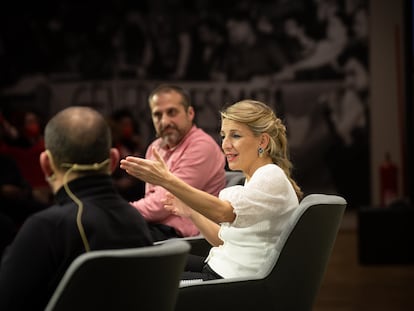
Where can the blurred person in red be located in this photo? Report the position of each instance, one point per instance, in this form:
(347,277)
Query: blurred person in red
(127,140)
(16,197)
(24,142)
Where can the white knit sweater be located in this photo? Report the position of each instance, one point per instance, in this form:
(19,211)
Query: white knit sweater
(262,207)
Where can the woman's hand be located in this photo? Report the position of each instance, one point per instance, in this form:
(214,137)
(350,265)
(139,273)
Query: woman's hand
(176,206)
(153,172)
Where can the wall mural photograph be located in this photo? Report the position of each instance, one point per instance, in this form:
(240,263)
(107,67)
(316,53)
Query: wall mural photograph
(308,59)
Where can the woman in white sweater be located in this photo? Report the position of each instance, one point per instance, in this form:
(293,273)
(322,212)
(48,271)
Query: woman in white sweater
(244,222)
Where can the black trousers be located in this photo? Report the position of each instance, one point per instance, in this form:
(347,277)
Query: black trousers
(162,232)
(196,268)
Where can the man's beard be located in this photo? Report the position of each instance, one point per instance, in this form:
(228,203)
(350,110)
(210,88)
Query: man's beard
(172,138)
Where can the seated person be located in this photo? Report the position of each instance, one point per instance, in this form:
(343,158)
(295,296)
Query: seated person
(190,154)
(25,147)
(126,138)
(89,213)
(16,196)
(244,223)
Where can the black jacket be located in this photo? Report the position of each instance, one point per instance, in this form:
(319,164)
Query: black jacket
(49,240)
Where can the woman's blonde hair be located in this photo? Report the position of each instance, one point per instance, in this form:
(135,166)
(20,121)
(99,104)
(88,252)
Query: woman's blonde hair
(260,118)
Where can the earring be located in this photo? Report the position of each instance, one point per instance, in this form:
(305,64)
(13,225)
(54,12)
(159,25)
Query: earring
(260,151)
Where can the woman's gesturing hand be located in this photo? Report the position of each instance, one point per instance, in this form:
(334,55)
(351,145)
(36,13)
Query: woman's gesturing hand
(176,206)
(154,172)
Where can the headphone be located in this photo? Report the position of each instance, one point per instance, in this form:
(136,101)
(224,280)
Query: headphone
(72,167)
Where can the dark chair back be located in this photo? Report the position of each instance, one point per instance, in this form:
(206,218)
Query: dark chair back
(294,280)
(144,278)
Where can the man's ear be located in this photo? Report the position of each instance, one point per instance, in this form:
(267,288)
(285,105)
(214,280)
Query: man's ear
(191,112)
(114,158)
(46,164)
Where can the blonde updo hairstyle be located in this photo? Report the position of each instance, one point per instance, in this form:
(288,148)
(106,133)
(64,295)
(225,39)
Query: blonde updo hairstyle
(260,118)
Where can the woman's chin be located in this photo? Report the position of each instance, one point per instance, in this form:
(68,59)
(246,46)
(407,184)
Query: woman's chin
(233,167)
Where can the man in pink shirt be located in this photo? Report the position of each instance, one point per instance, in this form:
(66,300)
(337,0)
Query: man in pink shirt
(190,153)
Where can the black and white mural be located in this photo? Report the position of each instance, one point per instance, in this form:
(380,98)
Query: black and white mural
(308,59)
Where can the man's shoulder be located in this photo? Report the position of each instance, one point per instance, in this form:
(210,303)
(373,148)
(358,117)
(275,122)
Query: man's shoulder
(198,134)
(52,214)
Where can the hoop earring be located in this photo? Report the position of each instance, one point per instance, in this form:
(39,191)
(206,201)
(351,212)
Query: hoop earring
(260,151)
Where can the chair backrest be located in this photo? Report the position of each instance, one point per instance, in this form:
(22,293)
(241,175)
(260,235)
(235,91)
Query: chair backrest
(294,280)
(144,278)
(234,178)
(306,251)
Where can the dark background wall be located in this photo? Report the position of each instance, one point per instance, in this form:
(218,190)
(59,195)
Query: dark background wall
(110,55)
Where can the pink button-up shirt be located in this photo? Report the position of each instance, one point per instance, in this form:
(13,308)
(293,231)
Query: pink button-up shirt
(197,160)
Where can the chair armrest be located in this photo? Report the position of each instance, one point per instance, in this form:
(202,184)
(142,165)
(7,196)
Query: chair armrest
(199,245)
(223,294)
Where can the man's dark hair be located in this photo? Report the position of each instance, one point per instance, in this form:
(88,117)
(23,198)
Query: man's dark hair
(165,88)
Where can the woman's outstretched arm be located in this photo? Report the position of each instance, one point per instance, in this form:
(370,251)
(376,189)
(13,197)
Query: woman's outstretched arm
(157,172)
